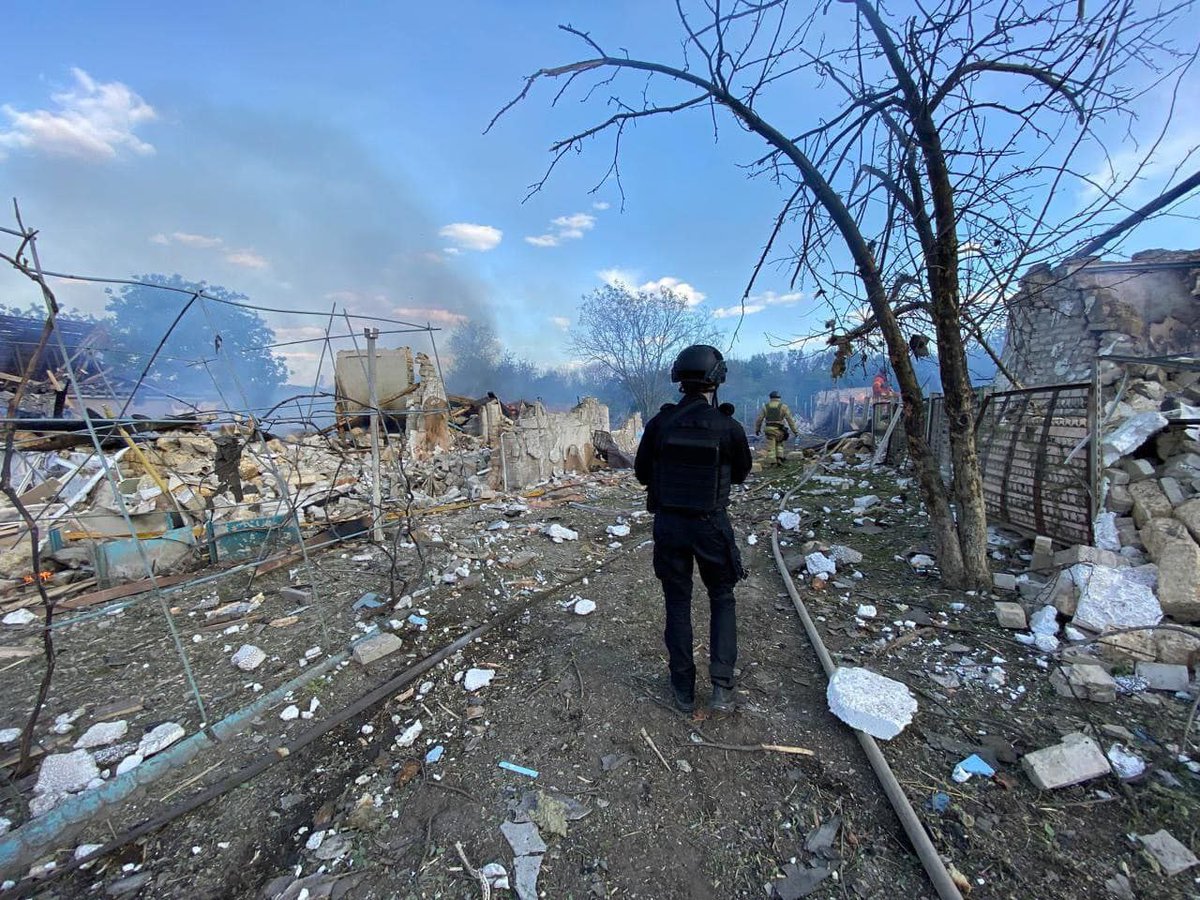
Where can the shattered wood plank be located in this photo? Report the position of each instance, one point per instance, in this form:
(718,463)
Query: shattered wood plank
(121,591)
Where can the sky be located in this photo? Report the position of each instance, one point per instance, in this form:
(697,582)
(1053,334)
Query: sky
(305,155)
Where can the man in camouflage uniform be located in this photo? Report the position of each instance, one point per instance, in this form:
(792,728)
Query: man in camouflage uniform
(778,418)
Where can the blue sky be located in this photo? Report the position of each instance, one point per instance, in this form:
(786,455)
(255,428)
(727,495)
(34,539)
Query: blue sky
(304,153)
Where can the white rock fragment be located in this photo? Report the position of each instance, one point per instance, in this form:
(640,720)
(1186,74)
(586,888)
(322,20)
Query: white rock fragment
(160,738)
(290,713)
(870,702)
(410,734)
(1126,764)
(921,561)
(866,611)
(788,520)
(315,840)
(1130,435)
(84,850)
(102,734)
(19,617)
(129,763)
(866,502)
(751,539)
(478,678)
(248,658)
(1105,529)
(9,735)
(820,564)
(1044,621)
(618,530)
(1108,599)
(558,533)
(843,554)
(584,607)
(1076,759)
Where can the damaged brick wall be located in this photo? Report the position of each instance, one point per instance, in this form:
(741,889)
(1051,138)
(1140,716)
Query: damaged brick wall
(1064,317)
(541,445)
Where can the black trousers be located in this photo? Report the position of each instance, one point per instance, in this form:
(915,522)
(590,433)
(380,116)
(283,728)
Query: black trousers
(678,540)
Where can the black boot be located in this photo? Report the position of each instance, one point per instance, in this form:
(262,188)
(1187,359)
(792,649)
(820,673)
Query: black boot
(722,698)
(683,702)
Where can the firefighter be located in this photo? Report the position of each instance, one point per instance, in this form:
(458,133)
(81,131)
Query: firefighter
(689,456)
(778,419)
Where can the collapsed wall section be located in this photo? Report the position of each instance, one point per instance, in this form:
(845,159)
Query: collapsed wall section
(541,445)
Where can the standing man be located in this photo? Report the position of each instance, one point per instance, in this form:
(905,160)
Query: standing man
(689,456)
(775,413)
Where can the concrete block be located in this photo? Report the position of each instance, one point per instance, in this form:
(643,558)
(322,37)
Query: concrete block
(1077,759)
(1010,615)
(1172,490)
(1149,502)
(1164,676)
(1173,856)
(375,648)
(1086,682)
(1178,648)
(1189,514)
(160,738)
(870,702)
(102,734)
(1179,579)
(1064,594)
(1130,435)
(1032,589)
(1128,649)
(1160,532)
(1116,477)
(1004,581)
(1184,468)
(1137,469)
(1091,555)
(65,773)
(248,658)
(1119,499)
(1043,553)
(1107,599)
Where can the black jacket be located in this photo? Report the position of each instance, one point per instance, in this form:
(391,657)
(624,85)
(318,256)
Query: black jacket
(735,450)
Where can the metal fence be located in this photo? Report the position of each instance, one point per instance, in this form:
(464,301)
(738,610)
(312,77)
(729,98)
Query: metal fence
(1035,457)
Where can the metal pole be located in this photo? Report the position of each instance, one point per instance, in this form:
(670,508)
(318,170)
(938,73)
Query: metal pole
(376,489)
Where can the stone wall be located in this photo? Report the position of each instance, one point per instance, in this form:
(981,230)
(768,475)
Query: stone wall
(1064,317)
(541,445)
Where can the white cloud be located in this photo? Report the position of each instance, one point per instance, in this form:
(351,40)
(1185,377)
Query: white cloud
(601,205)
(186,239)
(575,222)
(451,251)
(681,289)
(616,277)
(757,303)
(429,314)
(561,321)
(728,312)
(247,259)
(565,228)
(469,236)
(92,121)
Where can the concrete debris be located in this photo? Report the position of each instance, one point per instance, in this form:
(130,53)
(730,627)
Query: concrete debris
(1104,531)
(558,533)
(410,734)
(1107,599)
(9,736)
(526,870)
(1085,682)
(19,617)
(160,738)
(523,837)
(1173,856)
(1163,677)
(843,554)
(1004,581)
(496,875)
(584,607)
(1044,621)
(820,564)
(1010,615)
(618,530)
(375,648)
(1130,436)
(290,713)
(870,702)
(1126,764)
(62,774)
(478,678)
(788,520)
(248,658)
(866,611)
(1076,759)
(866,502)
(101,734)
(922,561)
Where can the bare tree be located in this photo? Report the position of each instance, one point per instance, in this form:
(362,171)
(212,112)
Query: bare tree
(636,335)
(939,171)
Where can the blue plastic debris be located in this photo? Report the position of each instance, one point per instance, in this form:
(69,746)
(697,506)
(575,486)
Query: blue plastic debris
(368,601)
(972,765)
(938,803)
(435,754)
(419,621)
(520,770)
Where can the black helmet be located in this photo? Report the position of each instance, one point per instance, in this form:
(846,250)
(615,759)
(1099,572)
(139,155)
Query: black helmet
(699,362)
(774,395)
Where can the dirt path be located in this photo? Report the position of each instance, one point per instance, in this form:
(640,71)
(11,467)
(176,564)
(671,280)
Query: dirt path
(356,815)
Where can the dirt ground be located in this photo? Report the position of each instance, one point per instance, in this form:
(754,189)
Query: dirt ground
(630,800)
